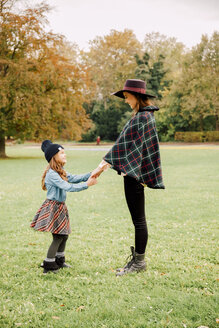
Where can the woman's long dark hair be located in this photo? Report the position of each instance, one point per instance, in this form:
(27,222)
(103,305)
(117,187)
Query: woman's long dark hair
(143,102)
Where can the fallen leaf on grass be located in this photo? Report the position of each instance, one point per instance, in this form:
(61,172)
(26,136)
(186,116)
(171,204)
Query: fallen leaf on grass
(162,273)
(217,320)
(62,305)
(33,244)
(18,324)
(57,318)
(80,308)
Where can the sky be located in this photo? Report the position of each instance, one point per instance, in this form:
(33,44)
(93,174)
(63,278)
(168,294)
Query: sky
(83,20)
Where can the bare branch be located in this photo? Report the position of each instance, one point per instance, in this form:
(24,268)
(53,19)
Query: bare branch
(6,5)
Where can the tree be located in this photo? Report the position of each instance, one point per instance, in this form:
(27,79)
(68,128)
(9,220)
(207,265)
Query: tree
(156,44)
(153,74)
(200,82)
(192,103)
(107,122)
(41,91)
(111,60)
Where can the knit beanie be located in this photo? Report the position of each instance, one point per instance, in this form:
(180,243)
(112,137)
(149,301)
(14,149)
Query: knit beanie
(50,149)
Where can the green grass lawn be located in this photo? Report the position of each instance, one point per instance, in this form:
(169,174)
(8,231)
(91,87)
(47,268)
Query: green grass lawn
(179,288)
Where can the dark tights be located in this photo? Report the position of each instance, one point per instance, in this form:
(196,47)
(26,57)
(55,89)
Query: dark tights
(58,245)
(134,193)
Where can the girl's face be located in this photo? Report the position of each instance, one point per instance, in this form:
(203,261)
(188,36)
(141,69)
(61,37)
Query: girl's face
(61,157)
(130,99)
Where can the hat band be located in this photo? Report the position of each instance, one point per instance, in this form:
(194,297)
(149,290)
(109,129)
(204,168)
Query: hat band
(140,90)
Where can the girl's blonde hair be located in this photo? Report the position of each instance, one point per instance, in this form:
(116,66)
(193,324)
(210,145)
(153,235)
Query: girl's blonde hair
(56,166)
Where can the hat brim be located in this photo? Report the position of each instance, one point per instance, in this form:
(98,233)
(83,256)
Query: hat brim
(121,95)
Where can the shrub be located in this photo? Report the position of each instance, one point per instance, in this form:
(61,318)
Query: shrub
(212,135)
(202,136)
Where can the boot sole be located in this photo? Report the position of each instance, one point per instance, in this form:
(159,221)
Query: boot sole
(123,273)
(47,271)
(66,266)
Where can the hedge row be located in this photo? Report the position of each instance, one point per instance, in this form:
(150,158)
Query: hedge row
(203,136)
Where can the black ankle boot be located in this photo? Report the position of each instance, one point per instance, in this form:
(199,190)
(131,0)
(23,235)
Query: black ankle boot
(50,266)
(61,262)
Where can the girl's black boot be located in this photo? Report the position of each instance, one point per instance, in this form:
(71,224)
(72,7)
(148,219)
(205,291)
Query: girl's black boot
(50,266)
(60,261)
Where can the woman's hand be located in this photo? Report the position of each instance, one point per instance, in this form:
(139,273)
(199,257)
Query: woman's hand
(103,166)
(97,172)
(91,181)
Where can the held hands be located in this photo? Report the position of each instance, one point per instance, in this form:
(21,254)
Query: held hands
(103,166)
(97,172)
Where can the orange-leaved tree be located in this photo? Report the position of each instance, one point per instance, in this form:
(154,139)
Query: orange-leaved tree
(41,88)
(111,60)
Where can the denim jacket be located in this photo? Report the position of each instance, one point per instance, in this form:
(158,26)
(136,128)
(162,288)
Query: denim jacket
(57,187)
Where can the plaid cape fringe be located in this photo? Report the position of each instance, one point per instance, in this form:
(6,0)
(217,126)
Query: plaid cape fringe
(136,151)
(52,216)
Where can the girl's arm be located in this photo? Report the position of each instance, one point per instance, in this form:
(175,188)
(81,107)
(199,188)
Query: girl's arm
(53,178)
(76,178)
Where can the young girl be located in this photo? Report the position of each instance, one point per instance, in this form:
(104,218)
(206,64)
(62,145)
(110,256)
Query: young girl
(53,214)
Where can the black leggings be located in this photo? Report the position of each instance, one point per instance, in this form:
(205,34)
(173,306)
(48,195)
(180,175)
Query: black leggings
(58,245)
(134,193)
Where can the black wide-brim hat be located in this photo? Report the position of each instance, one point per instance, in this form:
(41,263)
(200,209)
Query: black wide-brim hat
(135,87)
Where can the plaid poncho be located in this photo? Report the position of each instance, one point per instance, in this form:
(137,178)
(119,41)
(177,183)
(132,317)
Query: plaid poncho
(136,151)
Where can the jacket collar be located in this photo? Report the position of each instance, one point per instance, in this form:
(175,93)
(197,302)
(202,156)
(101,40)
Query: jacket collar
(148,109)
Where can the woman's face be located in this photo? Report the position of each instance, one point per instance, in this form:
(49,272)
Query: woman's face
(61,157)
(130,99)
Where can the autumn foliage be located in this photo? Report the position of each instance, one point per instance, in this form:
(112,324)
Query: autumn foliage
(41,82)
(49,88)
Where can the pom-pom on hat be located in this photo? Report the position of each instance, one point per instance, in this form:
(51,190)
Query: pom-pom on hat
(50,149)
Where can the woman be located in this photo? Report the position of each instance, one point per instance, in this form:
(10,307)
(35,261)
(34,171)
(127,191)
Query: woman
(136,156)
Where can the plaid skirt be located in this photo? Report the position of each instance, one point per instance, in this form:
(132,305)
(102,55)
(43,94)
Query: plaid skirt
(52,216)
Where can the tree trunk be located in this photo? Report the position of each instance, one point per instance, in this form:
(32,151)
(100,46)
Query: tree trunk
(201,123)
(2,145)
(217,123)
(105,103)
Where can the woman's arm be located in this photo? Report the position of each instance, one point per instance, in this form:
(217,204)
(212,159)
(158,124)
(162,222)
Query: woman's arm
(103,166)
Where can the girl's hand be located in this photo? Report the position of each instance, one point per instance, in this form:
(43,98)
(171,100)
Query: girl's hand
(91,181)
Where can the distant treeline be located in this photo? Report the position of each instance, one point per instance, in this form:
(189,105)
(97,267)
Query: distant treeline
(50,88)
